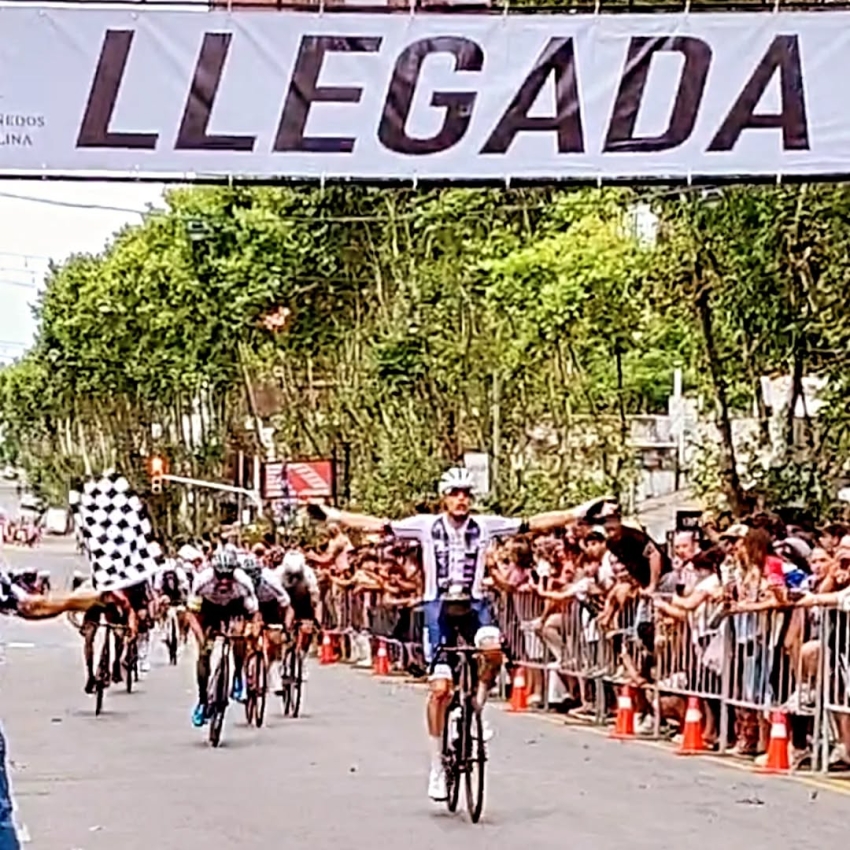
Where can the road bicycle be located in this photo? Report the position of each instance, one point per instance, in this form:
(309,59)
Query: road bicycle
(218,687)
(292,673)
(103,673)
(256,683)
(131,663)
(464,749)
(171,629)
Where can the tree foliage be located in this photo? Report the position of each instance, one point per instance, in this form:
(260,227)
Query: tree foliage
(423,324)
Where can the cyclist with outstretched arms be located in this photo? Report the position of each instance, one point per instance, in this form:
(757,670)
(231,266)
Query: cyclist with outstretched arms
(453,544)
(221,594)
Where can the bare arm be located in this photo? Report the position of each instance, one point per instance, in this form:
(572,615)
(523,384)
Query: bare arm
(557,519)
(52,605)
(361,522)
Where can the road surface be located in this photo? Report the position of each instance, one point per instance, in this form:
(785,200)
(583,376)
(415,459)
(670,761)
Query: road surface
(351,774)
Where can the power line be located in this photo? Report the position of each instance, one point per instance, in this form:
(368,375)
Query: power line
(78,205)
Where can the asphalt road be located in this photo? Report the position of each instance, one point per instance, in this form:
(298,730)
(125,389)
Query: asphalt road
(350,774)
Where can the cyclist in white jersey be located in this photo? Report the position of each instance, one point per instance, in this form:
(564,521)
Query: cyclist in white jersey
(453,545)
(220,593)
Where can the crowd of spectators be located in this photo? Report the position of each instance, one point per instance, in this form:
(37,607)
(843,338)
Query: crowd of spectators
(599,604)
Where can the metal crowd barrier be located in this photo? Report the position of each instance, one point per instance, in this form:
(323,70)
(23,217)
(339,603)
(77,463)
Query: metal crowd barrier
(742,666)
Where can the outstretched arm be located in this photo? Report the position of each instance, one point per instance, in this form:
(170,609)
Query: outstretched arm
(558,519)
(361,522)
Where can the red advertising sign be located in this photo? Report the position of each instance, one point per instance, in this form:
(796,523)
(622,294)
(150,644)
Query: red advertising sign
(310,479)
(274,482)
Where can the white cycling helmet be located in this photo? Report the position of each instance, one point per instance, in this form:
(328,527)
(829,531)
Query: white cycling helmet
(294,562)
(456,478)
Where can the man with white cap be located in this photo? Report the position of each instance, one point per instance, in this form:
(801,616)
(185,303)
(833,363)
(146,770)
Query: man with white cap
(453,545)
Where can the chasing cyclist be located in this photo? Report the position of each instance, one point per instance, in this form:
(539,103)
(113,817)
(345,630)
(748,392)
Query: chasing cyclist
(222,597)
(453,545)
(274,605)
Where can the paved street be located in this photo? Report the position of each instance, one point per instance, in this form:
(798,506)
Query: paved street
(351,774)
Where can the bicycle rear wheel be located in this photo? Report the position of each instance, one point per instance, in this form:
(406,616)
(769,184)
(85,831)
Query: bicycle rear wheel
(103,672)
(171,636)
(261,683)
(451,759)
(297,680)
(131,663)
(475,758)
(286,673)
(217,696)
(250,688)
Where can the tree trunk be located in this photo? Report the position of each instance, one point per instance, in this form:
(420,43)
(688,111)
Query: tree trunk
(729,471)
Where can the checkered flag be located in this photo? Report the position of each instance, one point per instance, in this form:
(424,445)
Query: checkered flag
(115,532)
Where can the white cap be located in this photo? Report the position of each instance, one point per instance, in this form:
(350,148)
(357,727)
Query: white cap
(189,553)
(294,561)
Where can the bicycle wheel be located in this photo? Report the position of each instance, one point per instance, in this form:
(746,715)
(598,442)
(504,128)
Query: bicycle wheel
(261,688)
(130,663)
(474,759)
(103,672)
(297,680)
(171,636)
(250,688)
(217,691)
(286,672)
(451,759)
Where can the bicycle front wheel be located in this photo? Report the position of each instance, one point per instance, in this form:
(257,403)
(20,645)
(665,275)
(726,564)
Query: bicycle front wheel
(475,759)
(451,758)
(218,697)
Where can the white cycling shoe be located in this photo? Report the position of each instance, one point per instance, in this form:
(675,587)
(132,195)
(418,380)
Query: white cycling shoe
(437,790)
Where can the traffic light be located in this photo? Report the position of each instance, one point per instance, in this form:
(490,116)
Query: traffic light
(157,470)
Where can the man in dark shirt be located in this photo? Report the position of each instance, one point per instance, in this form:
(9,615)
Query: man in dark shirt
(635,550)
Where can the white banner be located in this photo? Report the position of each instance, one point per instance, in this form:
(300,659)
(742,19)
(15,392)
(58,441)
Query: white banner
(266,95)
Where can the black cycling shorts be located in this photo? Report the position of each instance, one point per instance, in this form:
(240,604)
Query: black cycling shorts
(302,602)
(271,613)
(216,618)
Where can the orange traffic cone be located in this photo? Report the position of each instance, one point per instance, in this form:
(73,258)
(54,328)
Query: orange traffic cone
(382,661)
(327,653)
(625,724)
(777,749)
(519,692)
(692,742)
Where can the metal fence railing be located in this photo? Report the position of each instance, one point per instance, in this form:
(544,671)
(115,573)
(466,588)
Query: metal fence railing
(741,666)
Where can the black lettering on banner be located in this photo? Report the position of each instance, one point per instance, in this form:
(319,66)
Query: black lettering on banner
(94,127)
(304,91)
(621,129)
(558,56)
(392,131)
(782,55)
(201,99)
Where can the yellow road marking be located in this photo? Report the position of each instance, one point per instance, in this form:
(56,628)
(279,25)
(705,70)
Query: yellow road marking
(822,783)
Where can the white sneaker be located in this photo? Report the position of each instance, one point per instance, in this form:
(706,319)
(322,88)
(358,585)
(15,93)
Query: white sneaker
(144,665)
(646,725)
(274,679)
(437,785)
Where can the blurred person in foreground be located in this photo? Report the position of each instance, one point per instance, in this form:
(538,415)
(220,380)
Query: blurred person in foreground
(14,601)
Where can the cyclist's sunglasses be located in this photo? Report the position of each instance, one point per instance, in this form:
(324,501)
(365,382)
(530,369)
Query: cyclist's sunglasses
(455,491)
